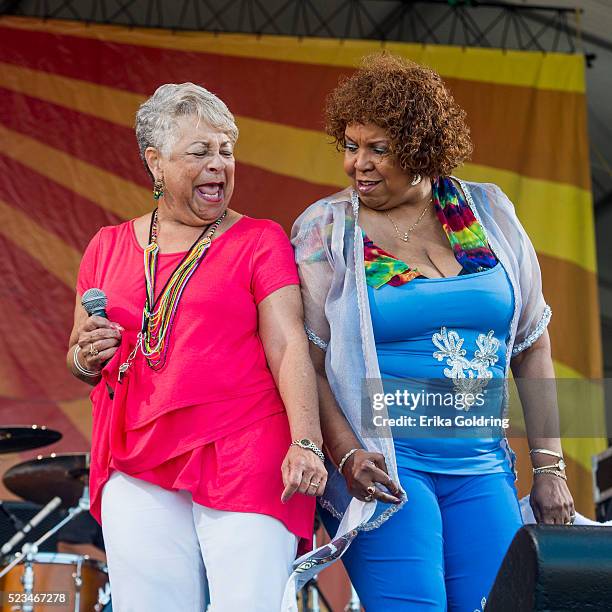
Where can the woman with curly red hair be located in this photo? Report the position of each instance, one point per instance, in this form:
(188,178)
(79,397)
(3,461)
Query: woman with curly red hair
(419,286)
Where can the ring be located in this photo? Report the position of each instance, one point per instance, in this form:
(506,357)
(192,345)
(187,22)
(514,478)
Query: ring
(367,498)
(314,484)
(371,490)
(93,351)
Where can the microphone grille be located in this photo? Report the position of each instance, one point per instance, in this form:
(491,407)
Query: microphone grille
(93,300)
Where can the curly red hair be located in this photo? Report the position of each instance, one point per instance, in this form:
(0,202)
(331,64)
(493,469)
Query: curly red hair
(426,127)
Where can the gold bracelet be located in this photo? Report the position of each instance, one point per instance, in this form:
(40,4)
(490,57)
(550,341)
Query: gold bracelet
(549,471)
(345,458)
(545,451)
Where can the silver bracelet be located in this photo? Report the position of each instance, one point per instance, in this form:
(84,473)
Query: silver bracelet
(345,458)
(545,451)
(80,368)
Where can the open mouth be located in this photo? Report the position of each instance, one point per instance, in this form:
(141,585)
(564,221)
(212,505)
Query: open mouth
(366,186)
(211,192)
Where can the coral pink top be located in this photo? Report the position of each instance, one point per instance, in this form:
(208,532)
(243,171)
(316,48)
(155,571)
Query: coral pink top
(211,421)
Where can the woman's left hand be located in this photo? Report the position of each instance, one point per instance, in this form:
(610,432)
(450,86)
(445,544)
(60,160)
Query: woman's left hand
(302,470)
(551,501)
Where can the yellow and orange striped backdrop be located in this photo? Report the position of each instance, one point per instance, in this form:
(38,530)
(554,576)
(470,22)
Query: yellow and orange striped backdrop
(69,164)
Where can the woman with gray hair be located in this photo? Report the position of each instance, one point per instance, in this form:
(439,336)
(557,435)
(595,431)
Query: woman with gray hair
(206,437)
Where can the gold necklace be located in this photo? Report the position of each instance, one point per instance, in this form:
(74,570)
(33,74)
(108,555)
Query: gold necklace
(406,235)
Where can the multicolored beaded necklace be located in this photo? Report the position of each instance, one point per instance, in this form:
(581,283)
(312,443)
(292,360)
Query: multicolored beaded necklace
(158,314)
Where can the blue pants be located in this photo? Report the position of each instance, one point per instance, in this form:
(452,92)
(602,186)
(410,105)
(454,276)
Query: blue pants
(442,550)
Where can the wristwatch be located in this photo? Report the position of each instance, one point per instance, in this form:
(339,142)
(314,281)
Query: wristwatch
(311,446)
(560,465)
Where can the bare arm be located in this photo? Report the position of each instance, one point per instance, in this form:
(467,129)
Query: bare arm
(363,469)
(281,330)
(286,347)
(538,399)
(338,436)
(550,497)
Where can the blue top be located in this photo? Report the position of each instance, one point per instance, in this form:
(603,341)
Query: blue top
(446,339)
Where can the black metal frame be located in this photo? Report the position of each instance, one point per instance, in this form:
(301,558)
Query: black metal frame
(450,22)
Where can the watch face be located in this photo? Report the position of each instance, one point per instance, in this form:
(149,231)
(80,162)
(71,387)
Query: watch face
(305,441)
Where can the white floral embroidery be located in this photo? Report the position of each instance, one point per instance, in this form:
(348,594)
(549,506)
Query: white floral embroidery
(470,376)
(485,355)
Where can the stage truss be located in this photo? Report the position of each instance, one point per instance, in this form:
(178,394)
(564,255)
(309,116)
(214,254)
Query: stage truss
(441,22)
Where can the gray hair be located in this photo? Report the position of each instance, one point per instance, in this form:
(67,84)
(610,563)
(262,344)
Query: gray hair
(155,119)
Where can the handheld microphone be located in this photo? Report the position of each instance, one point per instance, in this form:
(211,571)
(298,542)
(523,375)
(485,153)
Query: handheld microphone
(41,516)
(94,301)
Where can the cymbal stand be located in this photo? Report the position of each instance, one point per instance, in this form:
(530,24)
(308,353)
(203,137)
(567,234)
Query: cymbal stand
(28,574)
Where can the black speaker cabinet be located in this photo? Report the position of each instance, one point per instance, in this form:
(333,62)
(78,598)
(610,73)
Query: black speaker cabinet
(555,568)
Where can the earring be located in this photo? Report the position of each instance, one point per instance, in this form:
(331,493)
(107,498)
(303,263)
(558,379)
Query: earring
(158,189)
(416,180)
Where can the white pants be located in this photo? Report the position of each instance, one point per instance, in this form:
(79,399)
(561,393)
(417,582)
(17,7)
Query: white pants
(158,541)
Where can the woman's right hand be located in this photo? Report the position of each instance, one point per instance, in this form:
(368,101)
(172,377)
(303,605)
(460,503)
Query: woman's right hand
(363,471)
(99,339)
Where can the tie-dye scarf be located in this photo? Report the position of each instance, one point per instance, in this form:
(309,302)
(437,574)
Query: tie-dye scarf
(465,235)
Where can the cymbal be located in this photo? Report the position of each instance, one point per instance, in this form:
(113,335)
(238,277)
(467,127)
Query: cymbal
(40,480)
(17,439)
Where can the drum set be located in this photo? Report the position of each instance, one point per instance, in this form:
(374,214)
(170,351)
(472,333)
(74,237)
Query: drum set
(35,581)
(32,580)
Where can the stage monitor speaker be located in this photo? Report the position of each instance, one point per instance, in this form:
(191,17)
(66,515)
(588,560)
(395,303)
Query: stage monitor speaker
(555,568)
